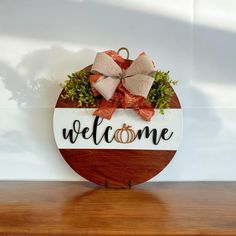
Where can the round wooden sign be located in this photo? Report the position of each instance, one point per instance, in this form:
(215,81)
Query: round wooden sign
(120,152)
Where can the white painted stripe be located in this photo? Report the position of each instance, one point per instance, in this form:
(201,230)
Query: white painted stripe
(64,118)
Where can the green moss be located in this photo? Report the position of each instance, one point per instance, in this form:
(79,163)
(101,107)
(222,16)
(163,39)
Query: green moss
(77,88)
(161,91)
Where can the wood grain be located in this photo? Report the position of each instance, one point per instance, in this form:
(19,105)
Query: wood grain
(116,168)
(78,208)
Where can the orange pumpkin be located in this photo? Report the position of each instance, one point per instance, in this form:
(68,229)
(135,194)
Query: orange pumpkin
(125,130)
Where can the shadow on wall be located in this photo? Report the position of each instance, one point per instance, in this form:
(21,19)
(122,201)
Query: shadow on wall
(34,85)
(35,81)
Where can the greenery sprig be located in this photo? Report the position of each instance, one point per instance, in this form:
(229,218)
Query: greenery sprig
(161,92)
(77,88)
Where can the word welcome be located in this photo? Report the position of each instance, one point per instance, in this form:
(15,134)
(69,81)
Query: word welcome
(123,135)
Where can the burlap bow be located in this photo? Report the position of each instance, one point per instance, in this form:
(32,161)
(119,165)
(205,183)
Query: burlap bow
(122,83)
(136,78)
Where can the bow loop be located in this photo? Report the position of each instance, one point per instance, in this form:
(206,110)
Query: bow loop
(105,65)
(106,86)
(142,65)
(139,84)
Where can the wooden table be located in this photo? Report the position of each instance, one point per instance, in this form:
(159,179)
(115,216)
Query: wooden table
(80,208)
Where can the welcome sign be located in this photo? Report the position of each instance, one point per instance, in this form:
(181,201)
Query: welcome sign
(76,128)
(121,138)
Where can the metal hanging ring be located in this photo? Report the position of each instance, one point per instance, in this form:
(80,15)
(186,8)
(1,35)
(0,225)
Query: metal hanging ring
(125,49)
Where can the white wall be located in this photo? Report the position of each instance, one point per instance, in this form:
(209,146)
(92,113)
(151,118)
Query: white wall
(42,41)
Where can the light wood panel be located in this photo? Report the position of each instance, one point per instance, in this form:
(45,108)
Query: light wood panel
(79,208)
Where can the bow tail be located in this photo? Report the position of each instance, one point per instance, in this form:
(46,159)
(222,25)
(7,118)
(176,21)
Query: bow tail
(138,103)
(146,111)
(107,108)
(105,111)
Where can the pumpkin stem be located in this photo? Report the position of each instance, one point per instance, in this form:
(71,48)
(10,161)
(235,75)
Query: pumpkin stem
(124,126)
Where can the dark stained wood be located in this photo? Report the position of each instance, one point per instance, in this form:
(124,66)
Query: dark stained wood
(79,208)
(116,168)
